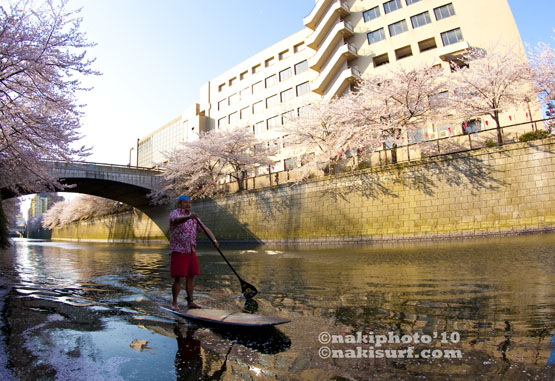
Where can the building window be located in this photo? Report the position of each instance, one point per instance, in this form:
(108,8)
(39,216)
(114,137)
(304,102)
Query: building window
(245,112)
(409,2)
(269,62)
(283,55)
(472,126)
(257,107)
(285,74)
(371,14)
(398,28)
(257,87)
(256,68)
(301,67)
(221,87)
(426,45)
(245,93)
(233,117)
(271,101)
(286,95)
(451,36)
(271,80)
(380,60)
(232,81)
(273,122)
(222,104)
(376,36)
(288,116)
(244,75)
(444,11)
(299,47)
(303,111)
(233,98)
(290,163)
(222,122)
(403,52)
(303,88)
(420,20)
(391,6)
(259,127)
(415,136)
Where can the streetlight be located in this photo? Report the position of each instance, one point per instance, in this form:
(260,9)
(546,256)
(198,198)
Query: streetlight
(137,163)
(131,150)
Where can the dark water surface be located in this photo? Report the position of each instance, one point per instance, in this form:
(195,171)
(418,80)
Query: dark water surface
(480,309)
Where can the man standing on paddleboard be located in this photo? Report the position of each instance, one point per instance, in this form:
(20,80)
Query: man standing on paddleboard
(184,226)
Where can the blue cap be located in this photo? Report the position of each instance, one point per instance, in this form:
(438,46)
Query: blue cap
(183,197)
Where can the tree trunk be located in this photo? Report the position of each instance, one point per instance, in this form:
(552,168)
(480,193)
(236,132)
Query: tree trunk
(239,179)
(4,234)
(394,154)
(499,131)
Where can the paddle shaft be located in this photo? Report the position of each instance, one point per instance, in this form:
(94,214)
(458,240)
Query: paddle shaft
(219,251)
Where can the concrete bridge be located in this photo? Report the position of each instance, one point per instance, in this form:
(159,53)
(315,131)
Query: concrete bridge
(126,184)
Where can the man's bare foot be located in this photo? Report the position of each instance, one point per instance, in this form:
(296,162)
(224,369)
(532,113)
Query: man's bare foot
(193,305)
(175,307)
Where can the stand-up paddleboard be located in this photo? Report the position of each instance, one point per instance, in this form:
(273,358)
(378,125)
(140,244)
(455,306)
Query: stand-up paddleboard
(221,317)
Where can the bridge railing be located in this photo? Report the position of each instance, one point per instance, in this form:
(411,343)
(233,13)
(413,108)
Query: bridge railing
(142,176)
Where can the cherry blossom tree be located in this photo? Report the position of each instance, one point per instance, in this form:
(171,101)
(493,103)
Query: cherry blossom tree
(488,82)
(82,207)
(42,51)
(197,166)
(42,54)
(542,61)
(380,111)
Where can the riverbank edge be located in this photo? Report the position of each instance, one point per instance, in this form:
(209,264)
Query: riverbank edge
(334,242)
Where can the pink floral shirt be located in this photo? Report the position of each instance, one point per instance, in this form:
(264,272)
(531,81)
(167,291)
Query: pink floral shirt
(183,237)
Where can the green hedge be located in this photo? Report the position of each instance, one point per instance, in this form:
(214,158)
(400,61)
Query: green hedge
(533,135)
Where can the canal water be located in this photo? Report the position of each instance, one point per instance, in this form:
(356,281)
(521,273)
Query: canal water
(474,309)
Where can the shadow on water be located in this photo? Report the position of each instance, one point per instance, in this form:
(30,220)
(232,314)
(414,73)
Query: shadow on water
(267,340)
(189,357)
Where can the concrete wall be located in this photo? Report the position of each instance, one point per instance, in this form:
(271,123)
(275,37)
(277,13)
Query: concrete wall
(491,191)
(126,227)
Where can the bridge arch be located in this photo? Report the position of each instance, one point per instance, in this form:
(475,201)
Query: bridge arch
(126,184)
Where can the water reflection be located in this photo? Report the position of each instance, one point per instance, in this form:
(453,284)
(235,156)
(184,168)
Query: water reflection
(188,360)
(90,301)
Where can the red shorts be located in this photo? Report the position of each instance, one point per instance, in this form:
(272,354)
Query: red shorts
(184,264)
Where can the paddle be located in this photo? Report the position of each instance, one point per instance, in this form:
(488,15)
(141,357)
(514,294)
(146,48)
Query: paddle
(249,291)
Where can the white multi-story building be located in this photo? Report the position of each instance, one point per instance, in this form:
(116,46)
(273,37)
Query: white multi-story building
(342,41)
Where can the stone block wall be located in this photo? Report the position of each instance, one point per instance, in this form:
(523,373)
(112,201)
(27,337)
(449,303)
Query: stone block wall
(491,191)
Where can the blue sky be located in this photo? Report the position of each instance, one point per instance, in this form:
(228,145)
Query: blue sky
(155,55)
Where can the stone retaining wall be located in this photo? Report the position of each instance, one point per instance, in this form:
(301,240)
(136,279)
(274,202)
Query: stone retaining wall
(491,191)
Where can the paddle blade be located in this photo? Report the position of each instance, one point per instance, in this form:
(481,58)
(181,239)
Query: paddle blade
(249,291)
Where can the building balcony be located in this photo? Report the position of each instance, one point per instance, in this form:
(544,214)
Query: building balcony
(346,77)
(337,9)
(338,34)
(316,14)
(336,63)
(453,51)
